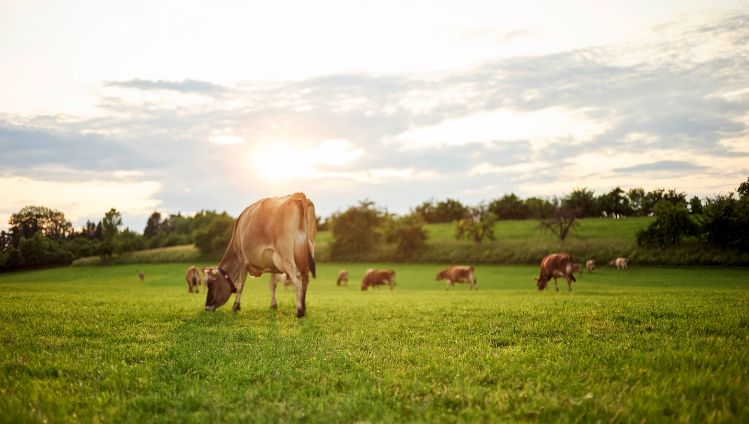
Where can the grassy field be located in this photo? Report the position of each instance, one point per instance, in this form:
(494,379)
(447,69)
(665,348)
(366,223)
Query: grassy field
(654,344)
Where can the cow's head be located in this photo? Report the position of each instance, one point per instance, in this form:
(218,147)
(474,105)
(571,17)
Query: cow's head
(441,275)
(541,281)
(219,289)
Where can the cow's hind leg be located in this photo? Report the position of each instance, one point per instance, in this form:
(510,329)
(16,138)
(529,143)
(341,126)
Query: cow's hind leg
(555,283)
(240,287)
(272,285)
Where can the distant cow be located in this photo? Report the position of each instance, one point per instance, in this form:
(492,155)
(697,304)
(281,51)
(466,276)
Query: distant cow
(275,235)
(577,268)
(458,274)
(194,278)
(590,264)
(141,275)
(619,263)
(282,278)
(553,266)
(378,277)
(342,278)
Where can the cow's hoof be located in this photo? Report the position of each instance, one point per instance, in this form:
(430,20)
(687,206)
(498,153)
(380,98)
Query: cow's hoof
(274,306)
(236,308)
(300,313)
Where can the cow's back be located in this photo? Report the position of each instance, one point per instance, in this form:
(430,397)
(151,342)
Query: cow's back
(286,225)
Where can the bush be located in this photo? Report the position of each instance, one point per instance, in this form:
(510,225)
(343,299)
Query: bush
(214,238)
(356,231)
(408,234)
(672,223)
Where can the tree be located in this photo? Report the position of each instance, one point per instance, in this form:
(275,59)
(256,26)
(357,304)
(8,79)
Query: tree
(695,206)
(477,225)
(445,211)
(509,207)
(725,219)
(672,223)
(614,203)
(636,197)
(561,222)
(109,227)
(408,233)
(214,234)
(32,219)
(582,202)
(356,230)
(540,208)
(153,225)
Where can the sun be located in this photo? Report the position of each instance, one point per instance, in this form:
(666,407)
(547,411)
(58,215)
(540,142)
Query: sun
(281,162)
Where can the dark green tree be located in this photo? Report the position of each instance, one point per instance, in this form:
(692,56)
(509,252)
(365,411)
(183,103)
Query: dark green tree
(672,223)
(408,234)
(509,206)
(582,202)
(356,230)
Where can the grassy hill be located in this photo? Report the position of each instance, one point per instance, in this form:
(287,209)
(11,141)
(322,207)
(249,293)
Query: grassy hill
(518,242)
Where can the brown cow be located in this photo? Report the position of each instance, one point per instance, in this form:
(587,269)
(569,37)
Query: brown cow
(275,235)
(342,278)
(590,264)
(620,263)
(458,274)
(193,277)
(578,268)
(378,277)
(553,266)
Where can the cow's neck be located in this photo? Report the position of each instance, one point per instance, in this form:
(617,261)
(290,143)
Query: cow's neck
(231,264)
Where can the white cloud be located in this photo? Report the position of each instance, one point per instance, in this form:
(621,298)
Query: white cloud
(541,128)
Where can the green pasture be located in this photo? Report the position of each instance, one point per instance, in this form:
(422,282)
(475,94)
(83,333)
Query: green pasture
(87,344)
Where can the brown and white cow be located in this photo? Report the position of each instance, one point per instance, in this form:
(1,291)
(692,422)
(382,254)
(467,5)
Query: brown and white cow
(590,264)
(342,278)
(619,263)
(553,266)
(378,277)
(458,274)
(275,235)
(193,277)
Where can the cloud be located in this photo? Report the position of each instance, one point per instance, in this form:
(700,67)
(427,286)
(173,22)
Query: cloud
(662,166)
(662,111)
(184,86)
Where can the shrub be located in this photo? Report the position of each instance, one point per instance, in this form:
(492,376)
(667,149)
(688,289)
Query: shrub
(672,223)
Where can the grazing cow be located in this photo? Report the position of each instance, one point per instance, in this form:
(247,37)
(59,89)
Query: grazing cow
(141,276)
(458,274)
(275,235)
(577,268)
(378,277)
(342,278)
(590,264)
(553,266)
(193,277)
(620,263)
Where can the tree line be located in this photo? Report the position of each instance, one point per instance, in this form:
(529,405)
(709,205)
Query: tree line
(39,236)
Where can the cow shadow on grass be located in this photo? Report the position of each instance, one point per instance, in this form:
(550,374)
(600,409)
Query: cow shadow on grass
(258,366)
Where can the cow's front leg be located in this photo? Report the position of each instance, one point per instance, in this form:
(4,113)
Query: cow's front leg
(240,287)
(272,284)
(555,283)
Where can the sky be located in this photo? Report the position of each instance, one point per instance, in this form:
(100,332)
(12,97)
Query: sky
(181,106)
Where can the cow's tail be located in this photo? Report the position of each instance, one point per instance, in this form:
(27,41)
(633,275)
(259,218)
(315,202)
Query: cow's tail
(304,249)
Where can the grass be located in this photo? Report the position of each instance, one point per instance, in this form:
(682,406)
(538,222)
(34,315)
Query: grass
(652,344)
